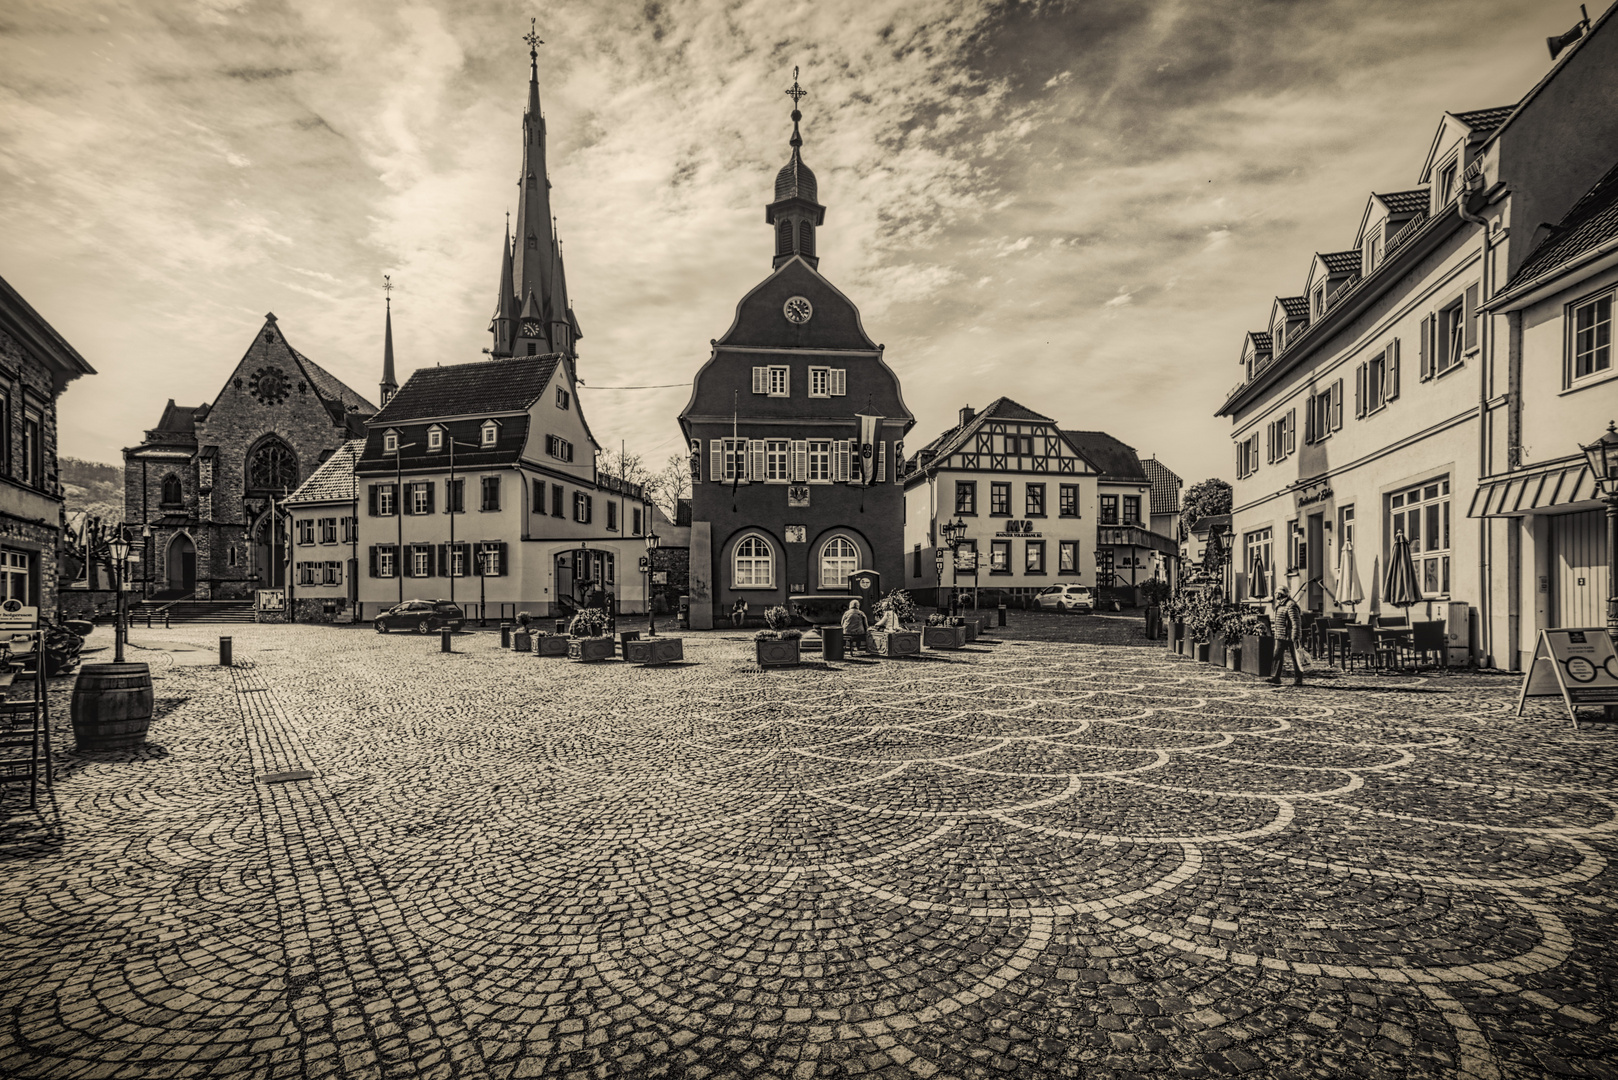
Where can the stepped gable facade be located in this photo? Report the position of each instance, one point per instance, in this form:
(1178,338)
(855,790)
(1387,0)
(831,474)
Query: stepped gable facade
(207,479)
(795,428)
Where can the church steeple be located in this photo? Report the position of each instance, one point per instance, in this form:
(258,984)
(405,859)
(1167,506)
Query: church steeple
(390,385)
(795,213)
(504,324)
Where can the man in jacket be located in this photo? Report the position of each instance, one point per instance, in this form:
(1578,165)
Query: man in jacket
(854,627)
(1288,625)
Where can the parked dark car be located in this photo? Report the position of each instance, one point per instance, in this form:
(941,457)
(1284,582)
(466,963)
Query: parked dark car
(422,616)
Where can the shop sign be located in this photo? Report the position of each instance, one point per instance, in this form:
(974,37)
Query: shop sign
(1019,528)
(15,616)
(272,600)
(1577,665)
(1311,494)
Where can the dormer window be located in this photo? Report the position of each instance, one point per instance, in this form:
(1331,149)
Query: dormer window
(435,438)
(1279,337)
(1373,252)
(491,432)
(390,442)
(1317,302)
(1446,182)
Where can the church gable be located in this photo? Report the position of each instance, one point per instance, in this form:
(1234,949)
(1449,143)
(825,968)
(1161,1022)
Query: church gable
(762,321)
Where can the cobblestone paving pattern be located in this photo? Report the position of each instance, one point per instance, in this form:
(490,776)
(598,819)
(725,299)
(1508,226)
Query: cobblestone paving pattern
(1026,859)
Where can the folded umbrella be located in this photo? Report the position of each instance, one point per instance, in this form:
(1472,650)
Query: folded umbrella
(1400,587)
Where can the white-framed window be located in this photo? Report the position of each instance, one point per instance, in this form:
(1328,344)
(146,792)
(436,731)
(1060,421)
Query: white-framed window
(1422,514)
(730,460)
(390,442)
(421,497)
(385,555)
(820,382)
(1446,189)
(1247,456)
(306,530)
(1376,381)
(421,561)
(457,560)
(1590,334)
(1345,525)
(1324,413)
(1371,252)
(563,398)
(1258,559)
(774,380)
(306,573)
(331,573)
(491,560)
(1281,436)
(839,558)
(435,438)
(489,433)
(753,564)
(820,461)
(776,461)
(1317,302)
(328,530)
(350,529)
(14,566)
(581,508)
(558,448)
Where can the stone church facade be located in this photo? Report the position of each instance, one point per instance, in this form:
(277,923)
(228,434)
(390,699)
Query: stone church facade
(207,480)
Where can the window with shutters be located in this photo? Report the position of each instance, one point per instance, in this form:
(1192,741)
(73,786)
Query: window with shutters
(1068,500)
(753,564)
(1376,382)
(491,493)
(1451,332)
(819,382)
(558,501)
(350,530)
(839,559)
(331,573)
(730,460)
(999,499)
(1033,500)
(966,497)
(386,494)
(776,467)
(306,573)
(306,530)
(1422,514)
(1247,456)
(581,508)
(563,399)
(421,560)
(774,381)
(1590,338)
(842,462)
(385,556)
(820,461)
(420,496)
(328,530)
(839,382)
(493,565)
(1318,416)
(558,448)
(457,560)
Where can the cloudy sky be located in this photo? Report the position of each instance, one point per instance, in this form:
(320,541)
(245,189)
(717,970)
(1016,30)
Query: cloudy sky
(1078,205)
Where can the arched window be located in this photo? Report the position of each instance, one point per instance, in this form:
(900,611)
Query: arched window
(272,466)
(754,564)
(806,238)
(838,559)
(171,491)
(783,238)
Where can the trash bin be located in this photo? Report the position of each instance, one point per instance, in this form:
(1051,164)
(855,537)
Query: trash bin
(831,642)
(561,626)
(1002,614)
(505,635)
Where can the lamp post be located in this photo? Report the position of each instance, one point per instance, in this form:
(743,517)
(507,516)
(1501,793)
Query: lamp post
(120,552)
(651,614)
(1229,536)
(1603,458)
(954,532)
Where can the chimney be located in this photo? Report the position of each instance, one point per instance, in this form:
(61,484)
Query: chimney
(966,415)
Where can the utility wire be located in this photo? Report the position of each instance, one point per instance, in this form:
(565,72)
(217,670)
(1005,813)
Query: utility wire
(655,386)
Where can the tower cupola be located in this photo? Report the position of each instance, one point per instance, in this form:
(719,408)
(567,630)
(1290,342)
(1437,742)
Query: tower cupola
(795,213)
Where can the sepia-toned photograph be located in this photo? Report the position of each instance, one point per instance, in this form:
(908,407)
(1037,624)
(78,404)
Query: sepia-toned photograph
(705,539)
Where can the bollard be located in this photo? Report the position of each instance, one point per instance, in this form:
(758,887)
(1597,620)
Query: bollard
(505,635)
(166,621)
(443,640)
(148,618)
(1001,613)
(224,652)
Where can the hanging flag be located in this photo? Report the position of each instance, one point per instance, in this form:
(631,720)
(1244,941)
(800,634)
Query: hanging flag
(870,428)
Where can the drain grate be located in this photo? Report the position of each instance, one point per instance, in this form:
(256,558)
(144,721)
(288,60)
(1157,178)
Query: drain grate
(287,777)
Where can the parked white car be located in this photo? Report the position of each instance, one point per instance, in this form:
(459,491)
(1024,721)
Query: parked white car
(1067,598)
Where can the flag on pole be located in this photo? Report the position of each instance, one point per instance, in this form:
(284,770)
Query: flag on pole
(870,426)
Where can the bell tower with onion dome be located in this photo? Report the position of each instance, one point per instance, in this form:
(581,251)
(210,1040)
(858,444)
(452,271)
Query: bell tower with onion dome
(795,213)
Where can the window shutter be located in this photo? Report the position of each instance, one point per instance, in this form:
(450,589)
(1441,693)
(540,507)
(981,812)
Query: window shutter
(881,462)
(840,461)
(1471,313)
(431,489)
(761,380)
(1337,405)
(1241,459)
(1390,371)
(1309,432)
(430,561)
(1292,430)
(501,548)
(443,560)
(800,460)
(370,493)
(1426,348)
(1359,392)
(716,470)
(839,382)
(755,459)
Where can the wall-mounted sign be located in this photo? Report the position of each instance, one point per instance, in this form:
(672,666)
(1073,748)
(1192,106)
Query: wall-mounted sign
(797,534)
(797,495)
(1579,665)
(660,577)
(1018,528)
(966,561)
(1310,494)
(14,615)
(272,600)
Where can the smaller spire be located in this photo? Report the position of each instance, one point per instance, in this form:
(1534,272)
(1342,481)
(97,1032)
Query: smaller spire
(389,384)
(797,94)
(534,42)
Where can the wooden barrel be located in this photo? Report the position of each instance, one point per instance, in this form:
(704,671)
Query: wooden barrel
(112,706)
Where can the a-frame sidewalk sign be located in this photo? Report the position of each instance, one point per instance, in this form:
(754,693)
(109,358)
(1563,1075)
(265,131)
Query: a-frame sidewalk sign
(1576,664)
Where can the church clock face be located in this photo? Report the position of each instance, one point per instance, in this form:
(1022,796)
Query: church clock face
(269,385)
(530,329)
(797,310)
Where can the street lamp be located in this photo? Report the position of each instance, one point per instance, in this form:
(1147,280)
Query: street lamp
(120,553)
(1603,458)
(1229,573)
(954,532)
(651,614)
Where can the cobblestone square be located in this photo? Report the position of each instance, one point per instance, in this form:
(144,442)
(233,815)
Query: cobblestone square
(1029,858)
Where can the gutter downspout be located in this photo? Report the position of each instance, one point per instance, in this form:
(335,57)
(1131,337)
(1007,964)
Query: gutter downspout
(1485,357)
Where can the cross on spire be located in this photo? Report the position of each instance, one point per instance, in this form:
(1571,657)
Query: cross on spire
(797,93)
(387,287)
(533,39)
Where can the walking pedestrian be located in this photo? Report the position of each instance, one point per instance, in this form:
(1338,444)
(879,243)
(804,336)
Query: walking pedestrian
(1287,622)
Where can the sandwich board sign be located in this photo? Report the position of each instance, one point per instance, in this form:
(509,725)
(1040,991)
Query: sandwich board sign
(14,616)
(1576,664)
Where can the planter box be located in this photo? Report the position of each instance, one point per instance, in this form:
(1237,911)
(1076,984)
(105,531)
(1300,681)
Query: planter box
(1258,653)
(1202,651)
(1216,650)
(522,640)
(1233,658)
(550,644)
(1176,634)
(775,652)
(894,643)
(944,637)
(658,650)
(971,629)
(591,648)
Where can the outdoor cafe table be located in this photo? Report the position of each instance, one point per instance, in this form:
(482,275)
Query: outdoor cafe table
(1339,635)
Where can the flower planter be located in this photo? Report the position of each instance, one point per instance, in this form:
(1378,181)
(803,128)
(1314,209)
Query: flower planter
(1216,650)
(591,648)
(1176,634)
(777,652)
(971,629)
(894,643)
(944,637)
(658,650)
(522,640)
(550,644)
(1233,658)
(1258,653)
(1201,651)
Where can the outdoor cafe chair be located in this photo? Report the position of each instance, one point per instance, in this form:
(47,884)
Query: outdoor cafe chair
(1427,638)
(1363,646)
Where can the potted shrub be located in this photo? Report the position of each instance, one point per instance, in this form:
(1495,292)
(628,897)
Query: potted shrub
(589,637)
(1155,592)
(521,639)
(895,612)
(1258,645)
(778,645)
(549,644)
(1174,621)
(944,632)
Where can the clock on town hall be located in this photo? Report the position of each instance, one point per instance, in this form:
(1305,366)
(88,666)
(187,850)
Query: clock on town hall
(798,309)
(269,385)
(530,329)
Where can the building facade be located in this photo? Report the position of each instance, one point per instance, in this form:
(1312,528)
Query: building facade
(1027,496)
(36,364)
(321,525)
(207,478)
(1128,550)
(1372,403)
(799,490)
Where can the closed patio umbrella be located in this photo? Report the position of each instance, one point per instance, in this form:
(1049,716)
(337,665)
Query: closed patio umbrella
(1350,593)
(1399,587)
(1257,585)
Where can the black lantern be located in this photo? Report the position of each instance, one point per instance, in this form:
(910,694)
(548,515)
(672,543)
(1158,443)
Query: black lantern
(1603,458)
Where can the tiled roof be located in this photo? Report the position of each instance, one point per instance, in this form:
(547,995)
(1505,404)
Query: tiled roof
(1211,523)
(1483,121)
(178,418)
(1341,262)
(487,386)
(1592,222)
(335,477)
(332,388)
(1261,340)
(1165,487)
(1296,307)
(1002,408)
(1116,460)
(1400,203)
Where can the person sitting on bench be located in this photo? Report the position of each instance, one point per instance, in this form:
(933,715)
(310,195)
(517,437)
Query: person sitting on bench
(854,627)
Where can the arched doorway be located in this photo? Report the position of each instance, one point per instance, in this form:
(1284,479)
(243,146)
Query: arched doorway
(180,568)
(269,563)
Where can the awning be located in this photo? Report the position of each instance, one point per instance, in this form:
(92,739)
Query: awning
(1520,493)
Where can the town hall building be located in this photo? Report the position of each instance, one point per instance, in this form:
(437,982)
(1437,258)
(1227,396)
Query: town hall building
(799,490)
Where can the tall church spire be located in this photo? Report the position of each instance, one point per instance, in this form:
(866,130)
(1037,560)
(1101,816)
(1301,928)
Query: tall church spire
(504,324)
(390,385)
(795,213)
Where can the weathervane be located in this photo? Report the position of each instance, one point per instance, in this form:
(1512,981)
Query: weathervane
(532,37)
(387,287)
(797,93)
